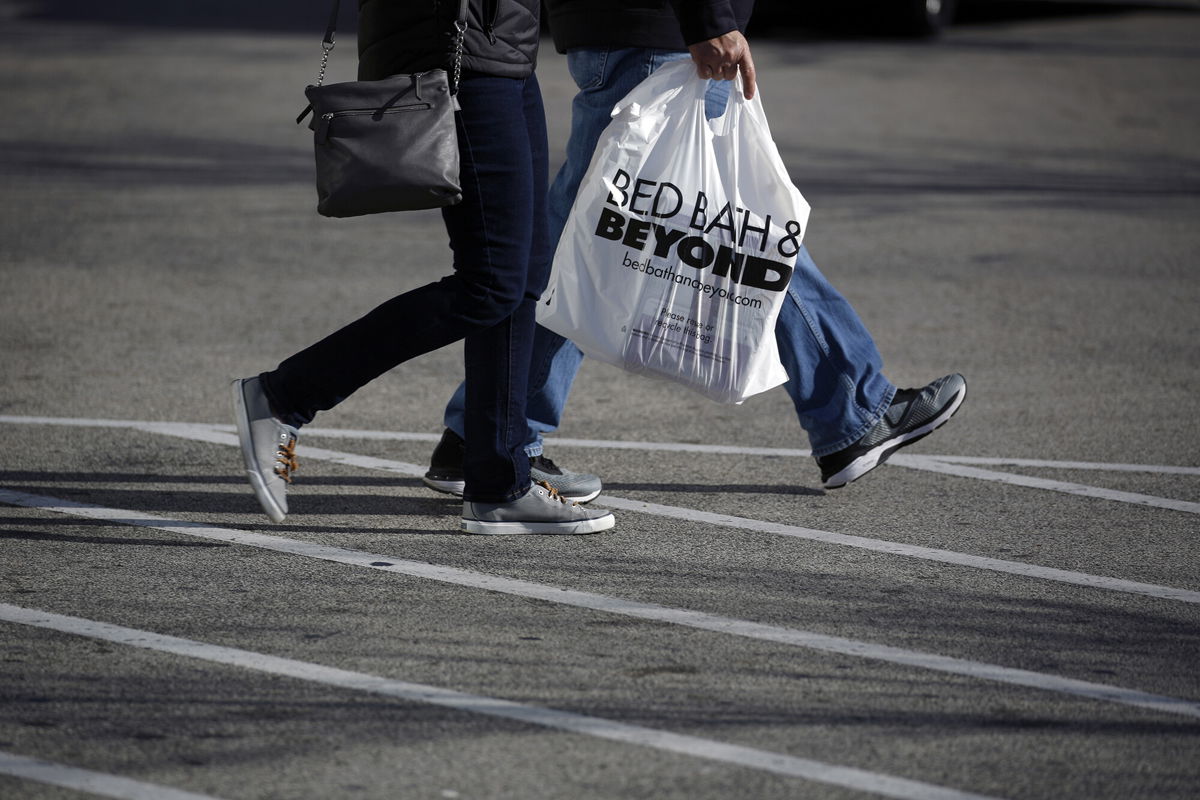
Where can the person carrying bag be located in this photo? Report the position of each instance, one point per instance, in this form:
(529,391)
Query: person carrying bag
(501,257)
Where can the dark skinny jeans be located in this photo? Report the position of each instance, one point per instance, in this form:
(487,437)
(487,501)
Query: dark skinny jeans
(501,263)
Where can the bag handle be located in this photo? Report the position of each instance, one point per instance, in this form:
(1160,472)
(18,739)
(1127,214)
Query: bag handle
(460,29)
(327,42)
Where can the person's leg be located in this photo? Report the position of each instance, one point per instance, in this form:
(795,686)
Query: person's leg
(509,224)
(446,471)
(835,371)
(497,361)
(855,418)
(490,232)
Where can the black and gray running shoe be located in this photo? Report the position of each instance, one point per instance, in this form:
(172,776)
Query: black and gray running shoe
(913,415)
(445,472)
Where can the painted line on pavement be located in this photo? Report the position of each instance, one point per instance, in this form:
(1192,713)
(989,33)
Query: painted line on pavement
(614,605)
(85,780)
(1093,466)
(598,727)
(773,452)
(216,434)
(611,444)
(962,471)
(908,550)
(744,523)
(932,463)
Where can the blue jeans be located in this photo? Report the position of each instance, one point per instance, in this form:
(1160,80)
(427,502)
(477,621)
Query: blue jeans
(835,372)
(501,264)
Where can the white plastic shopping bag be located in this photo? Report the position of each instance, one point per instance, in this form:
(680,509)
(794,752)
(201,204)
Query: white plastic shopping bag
(683,237)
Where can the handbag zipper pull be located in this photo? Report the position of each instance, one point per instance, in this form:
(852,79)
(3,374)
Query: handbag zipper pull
(322,136)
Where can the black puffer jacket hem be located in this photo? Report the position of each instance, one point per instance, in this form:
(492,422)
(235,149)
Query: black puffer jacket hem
(398,36)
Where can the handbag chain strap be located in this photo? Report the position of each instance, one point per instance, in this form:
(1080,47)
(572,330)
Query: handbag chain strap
(327,42)
(460,31)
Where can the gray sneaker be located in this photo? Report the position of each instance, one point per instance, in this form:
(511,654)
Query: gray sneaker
(268,447)
(541,510)
(445,472)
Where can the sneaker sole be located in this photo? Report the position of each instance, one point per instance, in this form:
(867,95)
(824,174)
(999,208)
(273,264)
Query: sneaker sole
(242,419)
(458,487)
(594,525)
(873,458)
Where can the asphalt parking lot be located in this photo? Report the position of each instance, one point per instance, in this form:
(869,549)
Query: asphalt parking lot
(1011,609)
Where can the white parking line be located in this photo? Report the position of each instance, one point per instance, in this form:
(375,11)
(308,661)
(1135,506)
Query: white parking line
(222,434)
(1086,466)
(598,727)
(615,605)
(907,550)
(775,452)
(611,444)
(85,780)
(935,463)
(1083,490)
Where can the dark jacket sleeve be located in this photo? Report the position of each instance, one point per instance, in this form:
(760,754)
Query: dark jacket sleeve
(700,20)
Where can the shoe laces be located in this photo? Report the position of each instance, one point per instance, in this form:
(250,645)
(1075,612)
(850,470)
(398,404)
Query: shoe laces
(554,495)
(286,461)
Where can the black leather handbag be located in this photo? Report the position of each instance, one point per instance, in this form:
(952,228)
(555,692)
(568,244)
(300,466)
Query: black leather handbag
(387,145)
